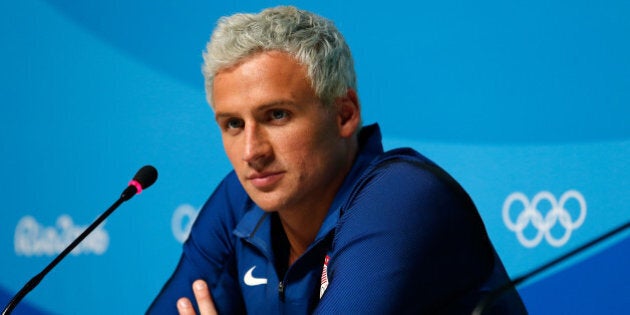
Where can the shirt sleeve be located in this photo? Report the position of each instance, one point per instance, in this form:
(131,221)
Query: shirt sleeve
(208,254)
(410,241)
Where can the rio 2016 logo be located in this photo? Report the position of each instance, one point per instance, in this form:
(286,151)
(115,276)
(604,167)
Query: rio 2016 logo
(34,239)
(543,222)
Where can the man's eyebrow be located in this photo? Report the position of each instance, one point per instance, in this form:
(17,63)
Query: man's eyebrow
(219,115)
(260,108)
(270,105)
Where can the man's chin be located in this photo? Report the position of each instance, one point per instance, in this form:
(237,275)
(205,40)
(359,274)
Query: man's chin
(266,202)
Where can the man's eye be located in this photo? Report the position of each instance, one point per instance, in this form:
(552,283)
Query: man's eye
(278,114)
(234,124)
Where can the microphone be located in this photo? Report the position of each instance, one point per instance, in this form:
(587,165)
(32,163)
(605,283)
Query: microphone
(497,293)
(145,177)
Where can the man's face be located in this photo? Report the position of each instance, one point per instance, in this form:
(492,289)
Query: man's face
(289,151)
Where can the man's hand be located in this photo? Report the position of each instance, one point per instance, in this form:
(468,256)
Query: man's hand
(204,300)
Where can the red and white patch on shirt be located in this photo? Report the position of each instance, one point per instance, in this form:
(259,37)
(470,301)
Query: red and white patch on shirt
(324,284)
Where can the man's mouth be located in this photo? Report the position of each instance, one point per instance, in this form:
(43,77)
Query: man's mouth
(265,180)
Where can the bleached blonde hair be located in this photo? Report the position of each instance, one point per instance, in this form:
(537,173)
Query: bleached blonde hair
(313,40)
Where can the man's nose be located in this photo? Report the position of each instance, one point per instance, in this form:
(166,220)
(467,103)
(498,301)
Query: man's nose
(257,147)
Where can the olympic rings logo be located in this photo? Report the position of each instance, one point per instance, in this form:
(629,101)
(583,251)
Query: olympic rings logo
(544,223)
(182,221)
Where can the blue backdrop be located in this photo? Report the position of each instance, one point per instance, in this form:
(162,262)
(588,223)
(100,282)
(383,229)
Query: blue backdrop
(526,103)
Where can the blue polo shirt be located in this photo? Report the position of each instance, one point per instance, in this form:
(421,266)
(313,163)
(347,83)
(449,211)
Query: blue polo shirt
(401,237)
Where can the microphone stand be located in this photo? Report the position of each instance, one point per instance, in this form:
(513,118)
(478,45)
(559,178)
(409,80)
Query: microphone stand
(494,295)
(31,284)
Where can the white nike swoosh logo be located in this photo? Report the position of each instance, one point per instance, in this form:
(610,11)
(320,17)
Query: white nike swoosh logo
(250,280)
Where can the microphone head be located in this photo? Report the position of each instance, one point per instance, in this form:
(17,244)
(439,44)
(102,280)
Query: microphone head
(146,176)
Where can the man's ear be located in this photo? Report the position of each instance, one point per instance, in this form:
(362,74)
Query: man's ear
(348,113)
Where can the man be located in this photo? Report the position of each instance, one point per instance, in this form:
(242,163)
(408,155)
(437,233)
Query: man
(315,217)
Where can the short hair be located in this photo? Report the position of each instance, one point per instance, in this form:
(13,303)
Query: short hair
(313,40)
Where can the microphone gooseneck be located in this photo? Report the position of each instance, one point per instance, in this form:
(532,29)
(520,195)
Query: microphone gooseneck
(145,177)
(496,294)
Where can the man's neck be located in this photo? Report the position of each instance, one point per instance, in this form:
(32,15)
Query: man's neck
(301,229)
(301,225)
